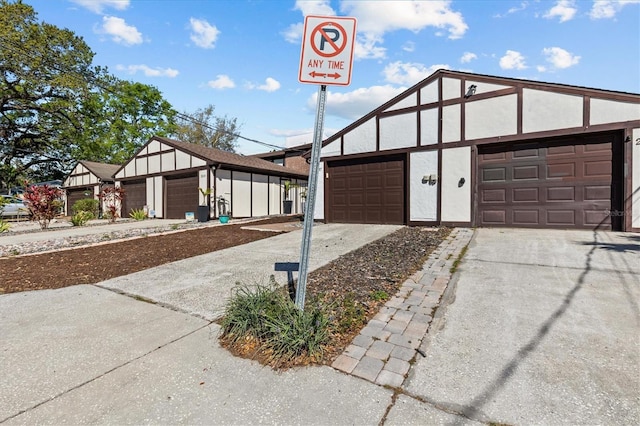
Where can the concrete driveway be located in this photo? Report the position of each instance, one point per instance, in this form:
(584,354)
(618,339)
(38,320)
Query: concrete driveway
(543,328)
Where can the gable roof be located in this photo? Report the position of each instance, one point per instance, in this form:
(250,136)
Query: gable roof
(103,171)
(225,159)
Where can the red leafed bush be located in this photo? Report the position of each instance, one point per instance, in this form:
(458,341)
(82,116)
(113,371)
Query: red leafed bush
(44,203)
(112,197)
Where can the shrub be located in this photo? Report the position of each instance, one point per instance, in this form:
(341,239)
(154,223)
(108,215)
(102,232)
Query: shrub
(4,226)
(138,214)
(266,316)
(44,203)
(89,205)
(112,197)
(81,218)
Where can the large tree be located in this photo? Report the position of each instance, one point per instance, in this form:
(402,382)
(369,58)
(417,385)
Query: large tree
(204,128)
(56,107)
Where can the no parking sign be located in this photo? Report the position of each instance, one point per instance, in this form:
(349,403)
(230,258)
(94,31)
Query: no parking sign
(327,50)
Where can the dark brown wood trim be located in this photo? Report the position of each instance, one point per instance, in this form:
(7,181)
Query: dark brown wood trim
(377,134)
(165,151)
(80,174)
(423,223)
(439,139)
(185,172)
(456,224)
(519,109)
(407,187)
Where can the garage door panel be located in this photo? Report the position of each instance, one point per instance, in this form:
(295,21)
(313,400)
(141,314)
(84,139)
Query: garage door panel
(561,170)
(569,181)
(561,217)
(597,193)
(493,196)
(525,195)
(494,174)
(525,172)
(135,196)
(526,217)
(367,190)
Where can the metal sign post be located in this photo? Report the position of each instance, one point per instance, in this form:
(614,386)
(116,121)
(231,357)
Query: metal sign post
(326,59)
(311,199)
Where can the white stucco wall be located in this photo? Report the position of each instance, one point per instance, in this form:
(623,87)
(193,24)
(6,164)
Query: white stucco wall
(398,131)
(543,110)
(183,160)
(318,211)
(423,197)
(456,199)
(450,88)
(635,180)
(361,139)
(84,179)
(606,111)
(153,146)
(450,123)
(429,93)
(275,195)
(332,149)
(409,101)
(168,160)
(154,164)
(223,188)
(158,199)
(260,195)
(491,117)
(241,187)
(429,126)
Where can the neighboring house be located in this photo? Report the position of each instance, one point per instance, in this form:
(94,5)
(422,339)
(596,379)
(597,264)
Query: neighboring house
(86,180)
(165,175)
(477,150)
(292,158)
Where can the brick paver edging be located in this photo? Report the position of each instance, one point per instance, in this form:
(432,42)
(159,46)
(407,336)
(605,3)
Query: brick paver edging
(383,351)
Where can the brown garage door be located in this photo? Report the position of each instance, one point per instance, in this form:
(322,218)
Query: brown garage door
(552,184)
(182,195)
(369,190)
(135,196)
(74,195)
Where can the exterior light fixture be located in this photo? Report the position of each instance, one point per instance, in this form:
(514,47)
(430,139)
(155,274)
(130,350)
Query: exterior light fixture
(470,91)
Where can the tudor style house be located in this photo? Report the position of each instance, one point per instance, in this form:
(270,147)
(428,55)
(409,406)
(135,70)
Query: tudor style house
(477,150)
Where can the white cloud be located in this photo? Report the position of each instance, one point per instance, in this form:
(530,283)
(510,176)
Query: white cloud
(603,9)
(270,85)
(355,104)
(148,71)
(314,7)
(366,47)
(564,9)
(119,31)
(379,17)
(409,73)
(512,10)
(560,58)
(409,46)
(512,60)
(98,6)
(468,57)
(221,82)
(203,34)
(294,33)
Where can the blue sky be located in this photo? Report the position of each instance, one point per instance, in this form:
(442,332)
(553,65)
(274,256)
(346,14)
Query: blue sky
(243,56)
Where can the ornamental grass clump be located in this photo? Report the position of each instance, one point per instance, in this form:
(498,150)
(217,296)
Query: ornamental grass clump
(263,322)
